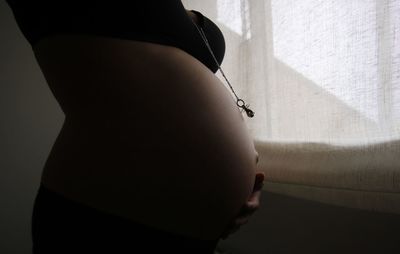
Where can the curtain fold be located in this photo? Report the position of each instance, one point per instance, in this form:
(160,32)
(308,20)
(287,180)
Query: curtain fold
(323,78)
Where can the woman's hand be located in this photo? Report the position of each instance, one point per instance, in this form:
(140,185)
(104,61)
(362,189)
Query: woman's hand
(248,209)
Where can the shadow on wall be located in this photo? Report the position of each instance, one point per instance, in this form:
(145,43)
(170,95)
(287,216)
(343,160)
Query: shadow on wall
(285,225)
(30,122)
(317,113)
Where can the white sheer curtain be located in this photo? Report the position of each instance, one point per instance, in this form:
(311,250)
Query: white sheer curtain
(323,78)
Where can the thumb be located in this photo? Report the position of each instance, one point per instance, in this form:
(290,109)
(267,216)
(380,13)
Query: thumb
(260,175)
(258,184)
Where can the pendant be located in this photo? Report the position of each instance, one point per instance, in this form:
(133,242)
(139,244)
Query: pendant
(249,112)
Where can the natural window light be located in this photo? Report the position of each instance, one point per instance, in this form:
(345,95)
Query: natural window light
(234,14)
(340,49)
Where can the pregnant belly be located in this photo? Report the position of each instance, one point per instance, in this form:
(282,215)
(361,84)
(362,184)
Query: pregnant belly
(169,150)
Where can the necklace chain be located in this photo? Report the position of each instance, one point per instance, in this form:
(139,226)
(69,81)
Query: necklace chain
(240,103)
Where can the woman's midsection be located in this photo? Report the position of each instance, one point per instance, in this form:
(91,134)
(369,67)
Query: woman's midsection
(149,134)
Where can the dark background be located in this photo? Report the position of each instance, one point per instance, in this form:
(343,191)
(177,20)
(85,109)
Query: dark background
(31,120)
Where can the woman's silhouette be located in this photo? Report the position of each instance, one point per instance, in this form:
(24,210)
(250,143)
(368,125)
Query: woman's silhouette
(154,154)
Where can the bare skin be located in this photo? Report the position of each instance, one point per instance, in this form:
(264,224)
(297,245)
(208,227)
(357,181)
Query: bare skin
(253,203)
(146,135)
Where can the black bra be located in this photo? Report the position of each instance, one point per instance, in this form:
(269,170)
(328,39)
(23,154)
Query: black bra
(164,22)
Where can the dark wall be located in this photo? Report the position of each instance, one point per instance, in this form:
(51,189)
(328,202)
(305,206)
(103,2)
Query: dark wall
(290,225)
(30,119)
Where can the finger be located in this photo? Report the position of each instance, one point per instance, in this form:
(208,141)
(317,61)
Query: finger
(230,231)
(227,234)
(248,210)
(252,204)
(239,220)
(235,226)
(261,175)
(259,181)
(254,198)
(233,229)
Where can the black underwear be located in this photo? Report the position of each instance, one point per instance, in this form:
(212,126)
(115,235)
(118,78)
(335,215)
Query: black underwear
(61,225)
(164,22)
